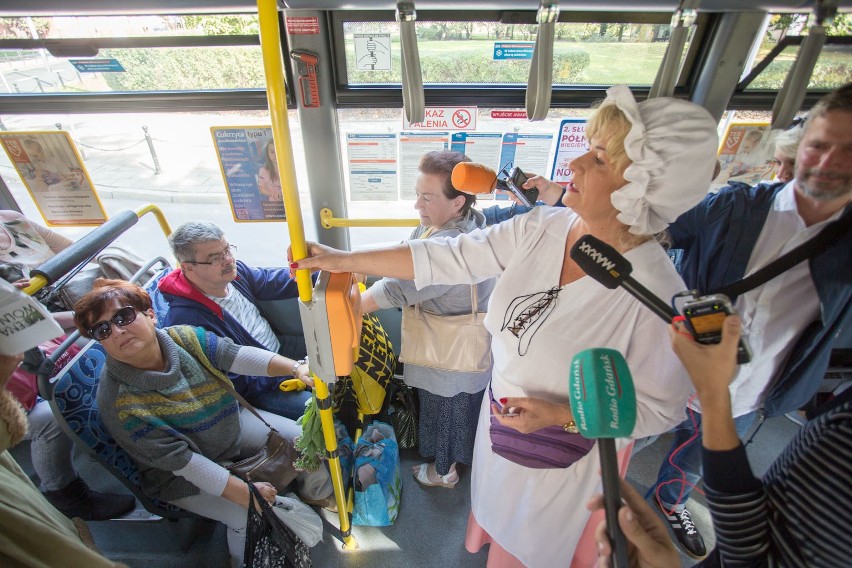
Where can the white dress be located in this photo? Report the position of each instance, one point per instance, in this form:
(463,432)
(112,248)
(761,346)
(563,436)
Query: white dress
(538,515)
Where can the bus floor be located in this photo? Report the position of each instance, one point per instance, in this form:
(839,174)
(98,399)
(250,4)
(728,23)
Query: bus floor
(429,531)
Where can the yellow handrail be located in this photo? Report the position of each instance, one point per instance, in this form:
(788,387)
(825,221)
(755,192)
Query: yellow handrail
(329,221)
(273,66)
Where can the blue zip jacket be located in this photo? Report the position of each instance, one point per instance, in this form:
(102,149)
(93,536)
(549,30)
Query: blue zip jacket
(717,237)
(188,306)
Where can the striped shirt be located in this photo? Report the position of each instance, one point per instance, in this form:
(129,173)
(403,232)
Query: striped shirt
(247,314)
(797,515)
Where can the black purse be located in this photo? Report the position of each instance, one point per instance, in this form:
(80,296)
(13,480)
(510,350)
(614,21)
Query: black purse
(269,542)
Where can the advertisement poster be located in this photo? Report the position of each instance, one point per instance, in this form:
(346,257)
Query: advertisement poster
(372,167)
(250,171)
(572,143)
(54,174)
(745,154)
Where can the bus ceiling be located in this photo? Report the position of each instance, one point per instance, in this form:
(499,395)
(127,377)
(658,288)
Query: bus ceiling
(103,7)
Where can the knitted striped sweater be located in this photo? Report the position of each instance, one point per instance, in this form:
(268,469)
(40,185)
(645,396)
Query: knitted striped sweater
(162,417)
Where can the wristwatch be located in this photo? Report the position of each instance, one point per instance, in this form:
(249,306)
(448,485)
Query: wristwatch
(571,427)
(298,364)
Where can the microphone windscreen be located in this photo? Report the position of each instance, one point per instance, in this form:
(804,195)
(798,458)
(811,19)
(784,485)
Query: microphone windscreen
(600,388)
(473,178)
(600,261)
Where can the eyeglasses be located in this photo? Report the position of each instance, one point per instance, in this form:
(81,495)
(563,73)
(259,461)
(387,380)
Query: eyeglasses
(526,314)
(122,318)
(218,258)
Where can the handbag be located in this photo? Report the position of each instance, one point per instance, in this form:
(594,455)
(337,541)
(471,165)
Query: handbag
(549,448)
(402,413)
(270,542)
(449,343)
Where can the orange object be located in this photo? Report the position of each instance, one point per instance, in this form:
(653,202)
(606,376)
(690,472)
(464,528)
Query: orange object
(343,308)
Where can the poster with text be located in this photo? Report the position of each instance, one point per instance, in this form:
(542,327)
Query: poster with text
(53,172)
(530,152)
(482,148)
(372,167)
(250,171)
(745,154)
(412,146)
(572,143)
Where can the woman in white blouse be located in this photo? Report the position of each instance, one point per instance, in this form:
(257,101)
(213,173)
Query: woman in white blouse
(646,164)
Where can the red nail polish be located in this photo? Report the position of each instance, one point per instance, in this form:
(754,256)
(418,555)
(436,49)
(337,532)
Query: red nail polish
(294,265)
(504,400)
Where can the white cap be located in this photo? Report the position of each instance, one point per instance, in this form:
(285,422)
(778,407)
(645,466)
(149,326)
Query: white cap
(672,144)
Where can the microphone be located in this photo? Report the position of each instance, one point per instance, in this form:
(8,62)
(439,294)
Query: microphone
(603,402)
(603,263)
(472,178)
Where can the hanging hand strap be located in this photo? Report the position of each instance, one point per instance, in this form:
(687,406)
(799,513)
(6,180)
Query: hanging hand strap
(540,84)
(831,233)
(682,20)
(413,99)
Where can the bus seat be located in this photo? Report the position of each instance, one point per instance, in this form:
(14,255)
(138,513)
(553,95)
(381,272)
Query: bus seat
(72,395)
(287,322)
(158,301)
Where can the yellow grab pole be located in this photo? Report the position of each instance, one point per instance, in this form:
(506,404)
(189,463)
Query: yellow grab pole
(328,221)
(273,66)
(158,213)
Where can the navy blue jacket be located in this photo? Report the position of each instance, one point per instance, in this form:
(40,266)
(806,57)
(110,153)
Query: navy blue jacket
(717,237)
(188,306)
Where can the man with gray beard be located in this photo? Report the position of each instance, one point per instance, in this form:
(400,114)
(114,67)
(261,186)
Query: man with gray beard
(793,320)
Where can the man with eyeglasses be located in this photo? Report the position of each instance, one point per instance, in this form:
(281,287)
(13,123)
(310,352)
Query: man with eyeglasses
(214,290)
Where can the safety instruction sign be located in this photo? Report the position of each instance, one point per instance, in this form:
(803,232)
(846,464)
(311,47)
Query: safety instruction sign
(372,52)
(444,118)
(572,143)
(53,171)
(249,168)
(372,167)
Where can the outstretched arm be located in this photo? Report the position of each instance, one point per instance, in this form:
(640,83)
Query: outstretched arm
(394,262)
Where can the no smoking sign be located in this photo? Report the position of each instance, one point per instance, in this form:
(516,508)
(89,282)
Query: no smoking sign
(444,118)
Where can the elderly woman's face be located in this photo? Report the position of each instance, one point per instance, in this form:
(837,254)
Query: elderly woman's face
(434,207)
(784,167)
(126,341)
(588,192)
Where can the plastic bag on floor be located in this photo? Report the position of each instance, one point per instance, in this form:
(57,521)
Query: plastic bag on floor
(378,485)
(301,519)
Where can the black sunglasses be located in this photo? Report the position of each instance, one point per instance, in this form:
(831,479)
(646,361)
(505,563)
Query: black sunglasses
(103,329)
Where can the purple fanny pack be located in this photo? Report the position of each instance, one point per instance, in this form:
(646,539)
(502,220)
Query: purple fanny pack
(549,448)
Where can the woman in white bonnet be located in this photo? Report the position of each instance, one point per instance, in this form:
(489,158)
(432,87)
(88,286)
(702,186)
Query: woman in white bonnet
(647,163)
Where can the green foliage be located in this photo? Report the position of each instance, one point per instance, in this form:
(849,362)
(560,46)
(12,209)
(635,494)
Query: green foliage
(172,69)
(311,443)
(828,74)
(228,24)
(473,67)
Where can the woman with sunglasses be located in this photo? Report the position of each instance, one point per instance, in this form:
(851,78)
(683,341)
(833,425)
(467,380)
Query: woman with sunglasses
(646,164)
(177,420)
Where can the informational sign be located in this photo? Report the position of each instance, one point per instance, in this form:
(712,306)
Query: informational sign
(97,65)
(513,50)
(412,146)
(572,143)
(53,171)
(250,171)
(372,52)
(745,154)
(509,114)
(302,25)
(481,147)
(526,151)
(444,118)
(372,167)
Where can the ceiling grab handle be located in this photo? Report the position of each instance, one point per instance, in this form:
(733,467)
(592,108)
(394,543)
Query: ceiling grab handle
(540,84)
(413,100)
(792,93)
(682,20)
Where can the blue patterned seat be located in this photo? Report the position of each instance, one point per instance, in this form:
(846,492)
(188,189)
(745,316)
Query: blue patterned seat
(72,395)
(158,302)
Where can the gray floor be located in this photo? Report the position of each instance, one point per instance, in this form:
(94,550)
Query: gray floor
(429,531)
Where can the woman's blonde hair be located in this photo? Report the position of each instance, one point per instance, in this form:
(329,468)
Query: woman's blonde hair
(611,121)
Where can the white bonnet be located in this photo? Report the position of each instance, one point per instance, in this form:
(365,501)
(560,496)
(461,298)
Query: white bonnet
(672,144)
